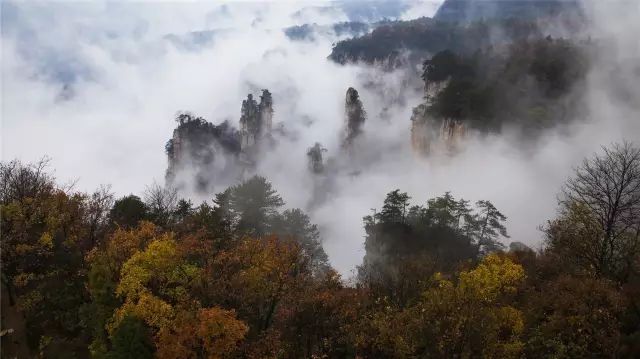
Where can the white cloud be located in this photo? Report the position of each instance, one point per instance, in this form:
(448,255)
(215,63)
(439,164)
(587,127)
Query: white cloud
(124,84)
(424,8)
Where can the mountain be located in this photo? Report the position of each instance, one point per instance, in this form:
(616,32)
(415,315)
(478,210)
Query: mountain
(475,10)
(342,29)
(529,86)
(423,37)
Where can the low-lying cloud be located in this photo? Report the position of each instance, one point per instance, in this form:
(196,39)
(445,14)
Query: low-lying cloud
(96,88)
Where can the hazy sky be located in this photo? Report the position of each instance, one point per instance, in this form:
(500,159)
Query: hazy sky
(96,86)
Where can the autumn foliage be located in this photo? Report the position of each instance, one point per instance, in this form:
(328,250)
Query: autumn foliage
(238,278)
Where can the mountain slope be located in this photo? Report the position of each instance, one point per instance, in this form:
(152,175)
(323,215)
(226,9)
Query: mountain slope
(474,10)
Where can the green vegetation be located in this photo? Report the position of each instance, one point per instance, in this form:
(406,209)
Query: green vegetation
(533,84)
(424,37)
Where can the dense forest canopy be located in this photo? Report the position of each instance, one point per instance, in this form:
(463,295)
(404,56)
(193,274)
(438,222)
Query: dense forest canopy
(89,275)
(390,41)
(486,89)
(473,10)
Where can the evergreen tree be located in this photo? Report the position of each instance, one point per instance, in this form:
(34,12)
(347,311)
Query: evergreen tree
(443,210)
(295,223)
(394,209)
(490,227)
(128,211)
(253,204)
(131,340)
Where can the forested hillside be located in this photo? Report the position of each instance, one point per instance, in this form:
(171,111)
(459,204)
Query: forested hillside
(535,84)
(464,27)
(394,43)
(356,180)
(473,10)
(239,276)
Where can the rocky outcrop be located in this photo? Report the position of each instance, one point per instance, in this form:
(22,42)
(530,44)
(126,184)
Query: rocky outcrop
(249,122)
(432,133)
(451,133)
(355,117)
(422,134)
(256,120)
(200,154)
(316,161)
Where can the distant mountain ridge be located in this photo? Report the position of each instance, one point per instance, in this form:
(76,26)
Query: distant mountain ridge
(423,37)
(310,31)
(462,26)
(476,10)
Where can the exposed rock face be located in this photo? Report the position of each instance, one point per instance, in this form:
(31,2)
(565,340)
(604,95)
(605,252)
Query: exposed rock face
(452,133)
(422,134)
(201,153)
(354,117)
(266,110)
(249,122)
(430,133)
(256,120)
(316,162)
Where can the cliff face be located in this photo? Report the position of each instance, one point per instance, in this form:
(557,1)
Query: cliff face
(354,117)
(256,120)
(201,152)
(315,156)
(422,134)
(432,133)
(452,133)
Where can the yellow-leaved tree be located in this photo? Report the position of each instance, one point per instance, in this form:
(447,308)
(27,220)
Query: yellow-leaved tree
(157,285)
(469,318)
